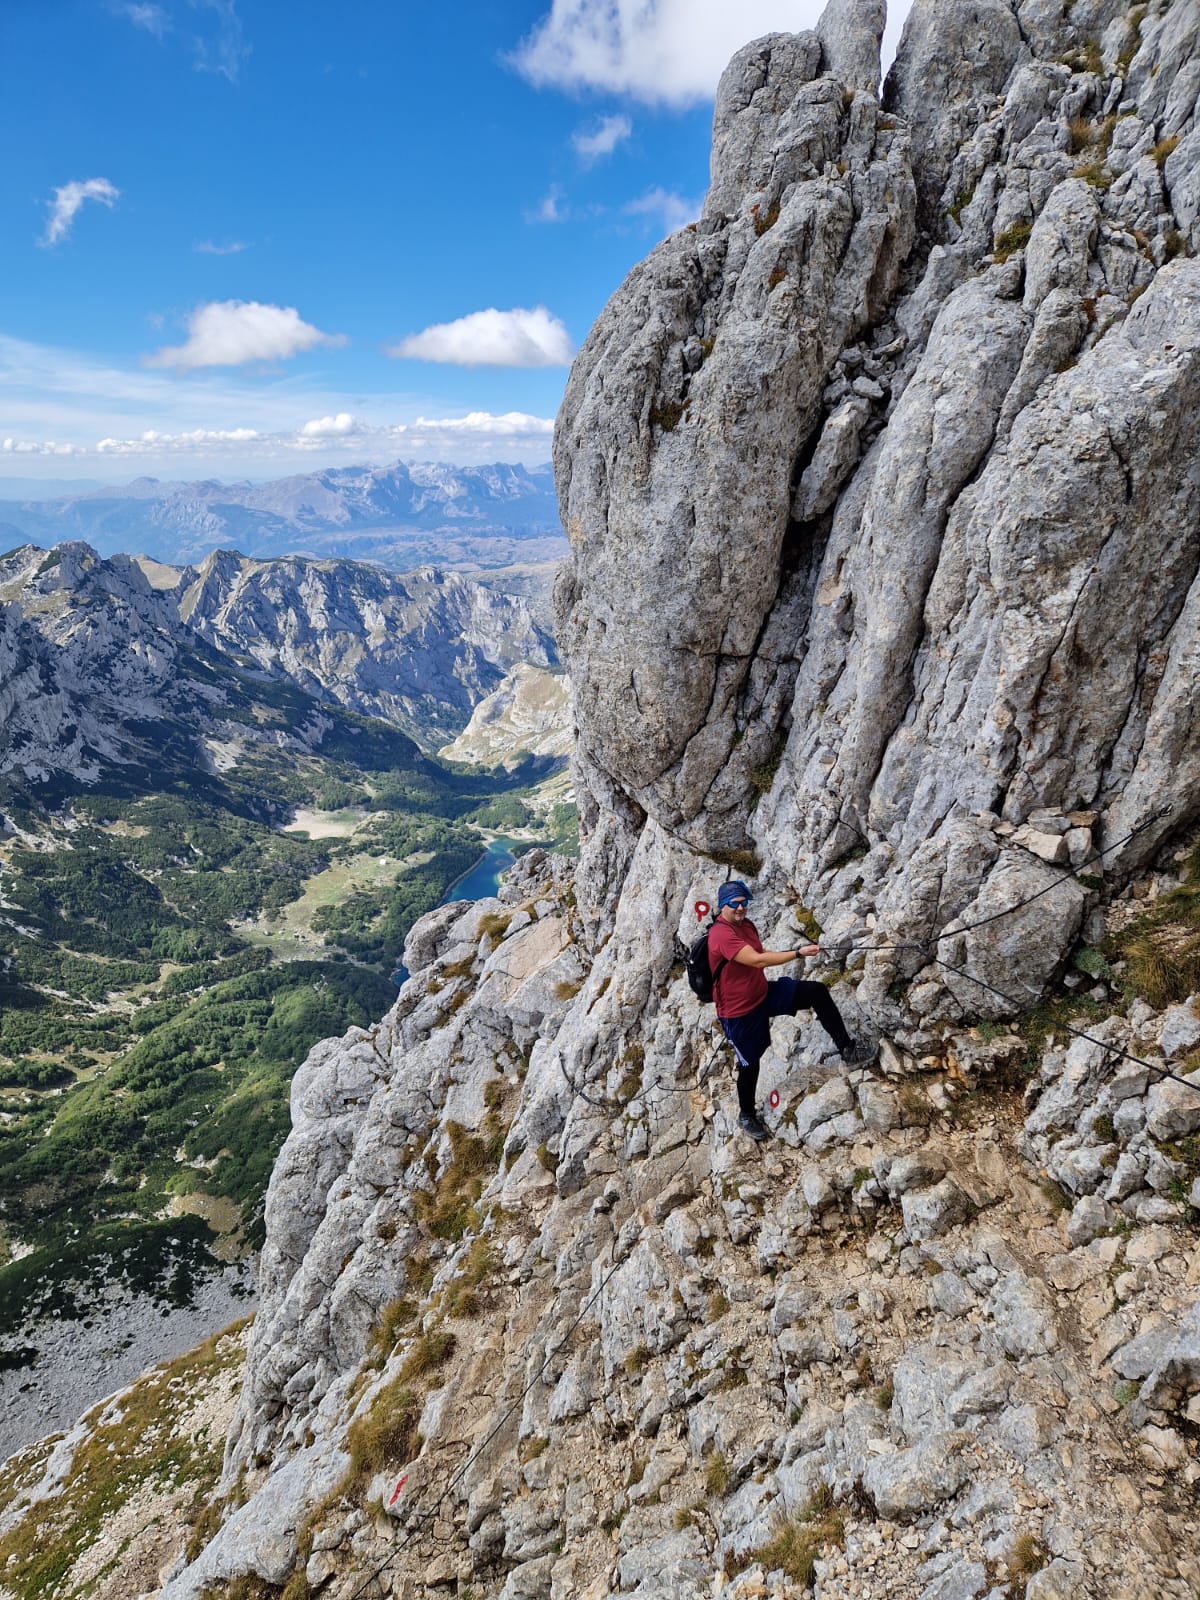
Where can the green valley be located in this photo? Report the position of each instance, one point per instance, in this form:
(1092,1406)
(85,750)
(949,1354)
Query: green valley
(174,937)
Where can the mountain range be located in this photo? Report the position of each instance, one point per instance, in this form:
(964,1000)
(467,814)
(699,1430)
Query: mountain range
(107,662)
(401,516)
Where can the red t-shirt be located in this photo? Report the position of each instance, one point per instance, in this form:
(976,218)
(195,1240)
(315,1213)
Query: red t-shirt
(739,988)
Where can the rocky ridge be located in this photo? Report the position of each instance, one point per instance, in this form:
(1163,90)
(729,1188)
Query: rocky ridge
(94,651)
(880,487)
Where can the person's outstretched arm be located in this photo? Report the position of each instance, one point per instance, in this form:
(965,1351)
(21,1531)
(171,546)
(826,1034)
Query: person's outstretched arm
(773,958)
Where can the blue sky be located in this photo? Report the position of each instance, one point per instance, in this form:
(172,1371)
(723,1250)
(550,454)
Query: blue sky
(244,238)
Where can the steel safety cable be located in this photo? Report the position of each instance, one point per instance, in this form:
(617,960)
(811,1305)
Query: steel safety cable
(841,950)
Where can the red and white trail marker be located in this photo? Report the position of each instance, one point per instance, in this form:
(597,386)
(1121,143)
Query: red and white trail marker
(774,1098)
(403,1479)
(702,908)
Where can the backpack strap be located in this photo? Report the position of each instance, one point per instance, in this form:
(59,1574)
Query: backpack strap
(722,963)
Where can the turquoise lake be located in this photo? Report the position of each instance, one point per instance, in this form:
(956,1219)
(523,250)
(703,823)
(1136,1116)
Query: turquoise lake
(484,877)
(482,880)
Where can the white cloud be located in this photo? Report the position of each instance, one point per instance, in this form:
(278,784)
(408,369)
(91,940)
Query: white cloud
(330,427)
(150,17)
(603,139)
(67,201)
(206,247)
(472,437)
(549,210)
(228,333)
(672,209)
(474,434)
(659,51)
(483,422)
(152,442)
(226,52)
(491,338)
(57,402)
(40,447)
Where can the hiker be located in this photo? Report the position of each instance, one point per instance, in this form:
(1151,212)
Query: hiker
(746,1002)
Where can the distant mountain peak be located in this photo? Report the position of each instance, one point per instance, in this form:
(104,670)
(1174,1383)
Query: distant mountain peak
(400,516)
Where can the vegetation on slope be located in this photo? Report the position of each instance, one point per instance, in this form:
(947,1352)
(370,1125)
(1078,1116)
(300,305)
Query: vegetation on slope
(155,1001)
(159,1444)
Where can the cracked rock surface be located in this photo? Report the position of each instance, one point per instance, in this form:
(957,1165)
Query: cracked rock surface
(881,484)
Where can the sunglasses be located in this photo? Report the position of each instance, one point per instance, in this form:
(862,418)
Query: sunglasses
(737,905)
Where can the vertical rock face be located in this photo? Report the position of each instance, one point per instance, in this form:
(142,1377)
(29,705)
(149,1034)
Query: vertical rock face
(689,407)
(881,481)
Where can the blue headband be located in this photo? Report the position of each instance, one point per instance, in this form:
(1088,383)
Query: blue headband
(734,890)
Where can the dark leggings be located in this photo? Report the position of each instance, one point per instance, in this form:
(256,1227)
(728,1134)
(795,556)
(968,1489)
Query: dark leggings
(750,1035)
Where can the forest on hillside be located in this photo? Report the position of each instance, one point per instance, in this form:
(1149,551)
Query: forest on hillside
(169,952)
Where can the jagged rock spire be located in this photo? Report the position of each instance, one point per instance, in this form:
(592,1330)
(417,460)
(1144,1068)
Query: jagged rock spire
(858,471)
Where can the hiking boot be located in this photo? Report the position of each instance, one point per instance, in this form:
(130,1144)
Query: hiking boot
(753,1126)
(857,1052)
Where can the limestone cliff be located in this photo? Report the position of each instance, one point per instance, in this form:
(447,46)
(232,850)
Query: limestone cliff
(881,486)
(882,490)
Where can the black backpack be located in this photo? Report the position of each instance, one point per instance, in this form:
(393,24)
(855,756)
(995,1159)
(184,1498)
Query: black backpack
(702,980)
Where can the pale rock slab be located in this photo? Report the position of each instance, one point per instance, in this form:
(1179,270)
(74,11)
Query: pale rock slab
(1023,1316)
(928,1213)
(1180,1032)
(911,1482)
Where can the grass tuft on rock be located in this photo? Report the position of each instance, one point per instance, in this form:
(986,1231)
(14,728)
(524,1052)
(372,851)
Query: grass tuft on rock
(546,1158)
(1010,240)
(795,1547)
(1157,956)
(717,1477)
(386,1435)
(1163,969)
(450,1210)
(393,1321)
(666,415)
(462,1298)
(765,218)
(1029,1555)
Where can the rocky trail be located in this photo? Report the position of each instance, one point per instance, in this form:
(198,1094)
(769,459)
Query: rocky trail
(928,1339)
